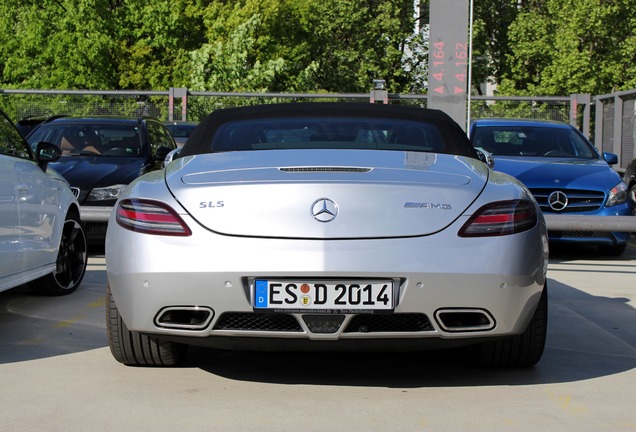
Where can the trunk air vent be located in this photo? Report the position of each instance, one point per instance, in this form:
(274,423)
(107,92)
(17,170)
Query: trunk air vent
(326,169)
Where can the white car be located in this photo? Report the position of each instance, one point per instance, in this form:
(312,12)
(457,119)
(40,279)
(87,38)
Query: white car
(42,241)
(327,226)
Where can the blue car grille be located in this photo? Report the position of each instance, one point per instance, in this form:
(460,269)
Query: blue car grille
(578,200)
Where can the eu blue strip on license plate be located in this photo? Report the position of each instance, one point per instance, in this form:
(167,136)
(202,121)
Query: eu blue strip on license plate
(327,295)
(260,294)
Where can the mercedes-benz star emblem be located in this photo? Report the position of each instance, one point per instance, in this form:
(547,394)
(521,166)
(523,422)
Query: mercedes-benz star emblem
(324,210)
(558,201)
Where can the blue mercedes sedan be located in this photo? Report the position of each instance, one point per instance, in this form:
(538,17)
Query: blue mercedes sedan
(564,172)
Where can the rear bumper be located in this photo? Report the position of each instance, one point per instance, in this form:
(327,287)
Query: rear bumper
(501,278)
(341,345)
(599,238)
(622,223)
(593,229)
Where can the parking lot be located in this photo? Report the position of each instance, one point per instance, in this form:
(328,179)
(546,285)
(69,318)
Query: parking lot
(57,372)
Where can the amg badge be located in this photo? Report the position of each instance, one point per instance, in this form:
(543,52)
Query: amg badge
(427,205)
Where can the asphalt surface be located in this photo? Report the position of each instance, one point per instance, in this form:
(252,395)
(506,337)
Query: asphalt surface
(57,373)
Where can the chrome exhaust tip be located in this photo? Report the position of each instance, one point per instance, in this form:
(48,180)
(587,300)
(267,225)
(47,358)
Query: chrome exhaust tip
(464,320)
(184,317)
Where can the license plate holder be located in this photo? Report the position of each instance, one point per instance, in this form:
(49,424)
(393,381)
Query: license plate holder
(323,296)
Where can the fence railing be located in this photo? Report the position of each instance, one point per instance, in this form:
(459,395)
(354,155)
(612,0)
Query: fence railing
(615,118)
(608,120)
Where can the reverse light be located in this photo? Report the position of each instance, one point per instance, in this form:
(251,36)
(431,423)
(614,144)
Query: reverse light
(501,218)
(150,217)
(617,195)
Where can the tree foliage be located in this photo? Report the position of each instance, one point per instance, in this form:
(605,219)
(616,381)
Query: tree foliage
(231,45)
(56,43)
(557,47)
(540,47)
(491,46)
(154,40)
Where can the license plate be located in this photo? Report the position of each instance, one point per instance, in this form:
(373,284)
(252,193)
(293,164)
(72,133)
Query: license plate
(323,295)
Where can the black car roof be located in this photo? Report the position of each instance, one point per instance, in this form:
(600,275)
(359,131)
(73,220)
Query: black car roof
(199,141)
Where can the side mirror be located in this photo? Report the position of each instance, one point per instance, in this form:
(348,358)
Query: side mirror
(46,152)
(162,152)
(485,157)
(610,158)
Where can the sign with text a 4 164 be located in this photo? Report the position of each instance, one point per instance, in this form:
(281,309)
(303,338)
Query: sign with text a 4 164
(448,58)
(448,75)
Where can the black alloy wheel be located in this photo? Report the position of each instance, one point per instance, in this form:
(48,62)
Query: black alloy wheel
(72,259)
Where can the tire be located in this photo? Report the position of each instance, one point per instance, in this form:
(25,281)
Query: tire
(522,350)
(72,258)
(136,349)
(632,197)
(616,250)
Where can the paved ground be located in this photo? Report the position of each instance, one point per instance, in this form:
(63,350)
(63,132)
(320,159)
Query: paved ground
(57,374)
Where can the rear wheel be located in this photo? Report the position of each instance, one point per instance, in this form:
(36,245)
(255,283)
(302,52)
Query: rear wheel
(136,349)
(72,259)
(522,350)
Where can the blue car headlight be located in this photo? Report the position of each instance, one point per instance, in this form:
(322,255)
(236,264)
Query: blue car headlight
(617,195)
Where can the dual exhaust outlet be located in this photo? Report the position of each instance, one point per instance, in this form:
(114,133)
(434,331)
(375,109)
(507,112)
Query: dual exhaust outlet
(184,317)
(452,320)
(464,320)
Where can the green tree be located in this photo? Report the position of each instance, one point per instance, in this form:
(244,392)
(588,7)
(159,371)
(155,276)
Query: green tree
(491,45)
(229,65)
(238,45)
(572,46)
(305,45)
(56,44)
(98,44)
(354,42)
(154,40)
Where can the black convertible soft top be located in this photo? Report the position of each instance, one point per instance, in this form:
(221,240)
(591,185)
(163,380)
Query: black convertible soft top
(454,138)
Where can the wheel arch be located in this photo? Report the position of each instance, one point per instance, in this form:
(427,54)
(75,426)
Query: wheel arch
(74,208)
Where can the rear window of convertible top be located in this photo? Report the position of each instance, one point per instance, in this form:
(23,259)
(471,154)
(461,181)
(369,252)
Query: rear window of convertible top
(328,133)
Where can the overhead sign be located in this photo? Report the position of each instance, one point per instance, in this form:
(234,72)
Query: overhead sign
(448,58)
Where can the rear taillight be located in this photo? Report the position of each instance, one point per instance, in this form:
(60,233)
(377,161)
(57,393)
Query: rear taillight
(501,218)
(150,217)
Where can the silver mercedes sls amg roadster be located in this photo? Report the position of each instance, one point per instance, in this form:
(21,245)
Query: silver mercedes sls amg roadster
(327,226)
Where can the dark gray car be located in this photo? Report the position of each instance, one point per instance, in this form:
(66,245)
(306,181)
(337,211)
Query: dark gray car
(101,156)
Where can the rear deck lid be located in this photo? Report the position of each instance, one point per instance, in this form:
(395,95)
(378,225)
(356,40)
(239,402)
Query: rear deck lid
(325,194)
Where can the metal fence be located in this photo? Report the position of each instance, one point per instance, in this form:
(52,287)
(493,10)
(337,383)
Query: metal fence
(615,118)
(21,104)
(608,120)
